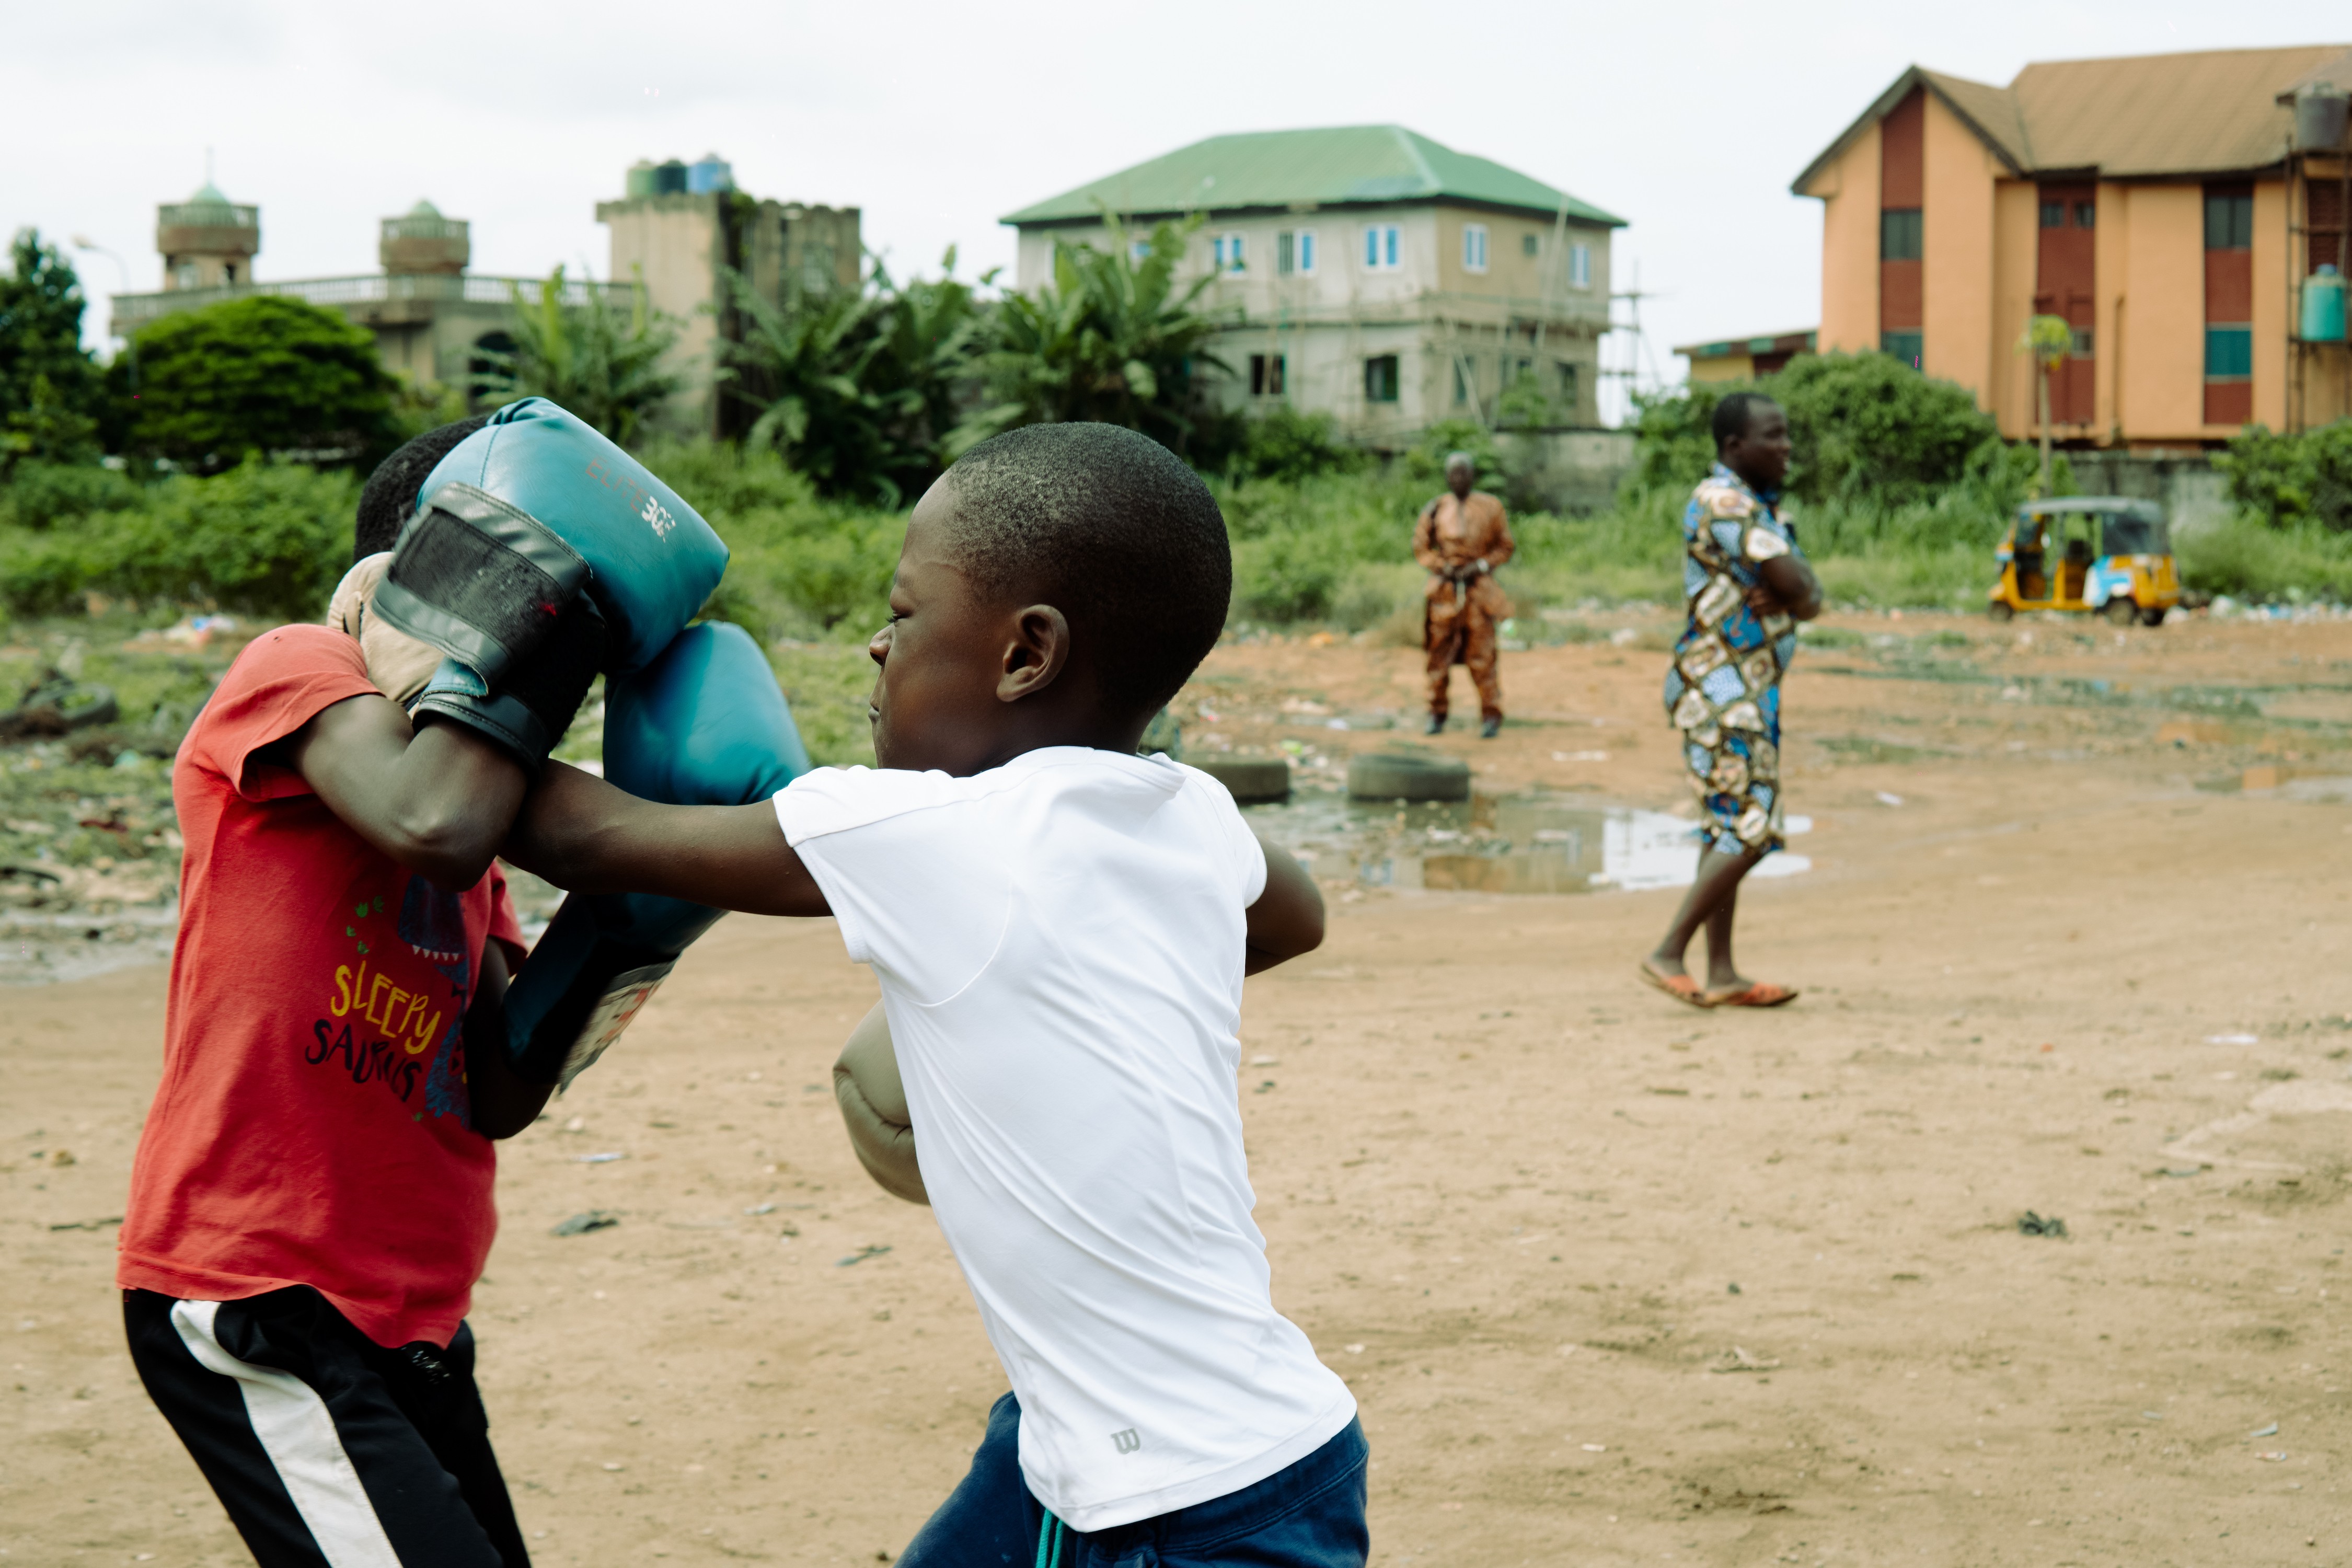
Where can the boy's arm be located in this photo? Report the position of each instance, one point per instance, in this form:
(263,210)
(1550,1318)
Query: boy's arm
(437,801)
(1287,919)
(588,837)
(500,1104)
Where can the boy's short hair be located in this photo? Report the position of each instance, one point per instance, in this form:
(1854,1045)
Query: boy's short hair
(1736,412)
(391,493)
(1110,528)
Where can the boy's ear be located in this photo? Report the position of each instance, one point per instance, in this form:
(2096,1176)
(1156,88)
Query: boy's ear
(1037,652)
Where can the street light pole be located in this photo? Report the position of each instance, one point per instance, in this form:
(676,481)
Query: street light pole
(83,242)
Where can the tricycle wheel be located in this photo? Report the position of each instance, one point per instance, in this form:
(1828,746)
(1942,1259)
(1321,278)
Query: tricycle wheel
(2001,610)
(2153,617)
(2121,612)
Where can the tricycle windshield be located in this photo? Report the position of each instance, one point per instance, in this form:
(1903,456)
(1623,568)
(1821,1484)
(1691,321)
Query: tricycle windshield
(2126,535)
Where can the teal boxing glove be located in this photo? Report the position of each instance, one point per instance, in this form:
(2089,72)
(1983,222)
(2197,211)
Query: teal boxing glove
(704,725)
(528,512)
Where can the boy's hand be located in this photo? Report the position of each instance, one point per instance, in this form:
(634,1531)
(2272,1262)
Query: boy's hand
(587,836)
(437,801)
(873,1108)
(1287,919)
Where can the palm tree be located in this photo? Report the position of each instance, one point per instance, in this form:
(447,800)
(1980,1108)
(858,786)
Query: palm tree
(859,388)
(600,362)
(1112,338)
(2051,340)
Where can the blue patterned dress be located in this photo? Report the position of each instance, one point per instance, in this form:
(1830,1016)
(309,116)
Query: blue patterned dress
(1723,690)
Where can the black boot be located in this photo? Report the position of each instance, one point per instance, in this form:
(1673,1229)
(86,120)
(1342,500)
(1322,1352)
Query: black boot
(1436,724)
(1491,728)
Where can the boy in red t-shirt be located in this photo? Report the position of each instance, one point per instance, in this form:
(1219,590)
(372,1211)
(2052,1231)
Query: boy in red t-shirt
(310,1204)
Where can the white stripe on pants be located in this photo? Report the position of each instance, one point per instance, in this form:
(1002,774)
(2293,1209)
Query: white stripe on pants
(298,1435)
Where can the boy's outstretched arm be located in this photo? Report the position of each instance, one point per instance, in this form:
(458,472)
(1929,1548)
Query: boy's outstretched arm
(1287,919)
(588,837)
(436,800)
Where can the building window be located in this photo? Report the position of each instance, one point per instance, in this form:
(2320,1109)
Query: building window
(1473,247)
(2084,343)
(228,272)
(2228,220)
(1901,231)
(2229,353)
(1381,376)
(1567,384)
(1139,249)
(2053,214)
(1266,374)
(1228,249)
(1380,248)
(1307,252)
(1580,266)
(1294,252)
(1905,346)
(1528,244)
(1461,382)
(2086,215)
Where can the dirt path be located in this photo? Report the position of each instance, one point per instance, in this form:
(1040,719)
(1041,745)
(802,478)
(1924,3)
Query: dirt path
(1615,1281)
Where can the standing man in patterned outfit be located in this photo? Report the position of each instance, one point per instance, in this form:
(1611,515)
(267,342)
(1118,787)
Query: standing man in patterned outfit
(1748,586)
(1461,538)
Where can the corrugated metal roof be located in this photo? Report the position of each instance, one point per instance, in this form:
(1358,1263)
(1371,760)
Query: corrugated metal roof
(2210,111)
(1333,166)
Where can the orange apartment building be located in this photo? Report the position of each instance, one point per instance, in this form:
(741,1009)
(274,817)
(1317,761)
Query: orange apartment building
(2164,206)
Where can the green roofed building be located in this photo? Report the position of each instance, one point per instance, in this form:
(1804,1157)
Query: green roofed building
(1368,272)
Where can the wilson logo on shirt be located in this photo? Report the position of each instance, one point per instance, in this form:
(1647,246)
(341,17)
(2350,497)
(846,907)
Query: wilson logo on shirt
(1127,1442)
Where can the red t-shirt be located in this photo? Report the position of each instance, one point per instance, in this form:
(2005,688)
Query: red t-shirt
(311,1125)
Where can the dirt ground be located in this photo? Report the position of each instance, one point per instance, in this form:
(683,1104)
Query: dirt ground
(1614,1280)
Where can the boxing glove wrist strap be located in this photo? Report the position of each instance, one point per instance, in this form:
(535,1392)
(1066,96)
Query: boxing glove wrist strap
(481,579)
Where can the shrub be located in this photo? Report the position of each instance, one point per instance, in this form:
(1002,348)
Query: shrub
(1288,444)
(264,538)
(2287,480)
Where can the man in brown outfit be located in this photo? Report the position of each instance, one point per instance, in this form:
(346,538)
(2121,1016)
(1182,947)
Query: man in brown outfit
(1461,538)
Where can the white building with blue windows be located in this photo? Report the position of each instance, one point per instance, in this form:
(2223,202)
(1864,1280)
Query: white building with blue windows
(1369,272)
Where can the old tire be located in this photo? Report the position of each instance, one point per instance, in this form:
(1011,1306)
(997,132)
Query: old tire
(1407,775)
(2121,612)
(2001,610)
(2153,615)
(1249,778)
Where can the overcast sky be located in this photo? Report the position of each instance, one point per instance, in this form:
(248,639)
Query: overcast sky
(1687,119)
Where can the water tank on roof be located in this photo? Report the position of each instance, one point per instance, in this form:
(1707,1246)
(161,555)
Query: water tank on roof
(669,178)
(2321,111)
(2323,307)
(710,173)
(640,182)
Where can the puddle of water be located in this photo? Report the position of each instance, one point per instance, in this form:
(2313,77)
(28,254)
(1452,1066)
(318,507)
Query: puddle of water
(1538,843)
(46,948)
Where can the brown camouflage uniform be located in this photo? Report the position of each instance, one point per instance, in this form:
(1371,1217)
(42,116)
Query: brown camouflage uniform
(1463,603)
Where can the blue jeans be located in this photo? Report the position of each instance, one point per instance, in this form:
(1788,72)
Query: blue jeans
(1310,1515)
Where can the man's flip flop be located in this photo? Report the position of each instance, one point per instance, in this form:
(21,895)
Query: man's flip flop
(1763,993)
(1681,987)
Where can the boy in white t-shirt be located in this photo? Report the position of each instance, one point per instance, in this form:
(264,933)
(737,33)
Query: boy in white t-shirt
(1060,928)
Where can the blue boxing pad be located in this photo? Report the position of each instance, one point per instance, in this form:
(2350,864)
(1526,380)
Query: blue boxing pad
(532,508)
(704,725)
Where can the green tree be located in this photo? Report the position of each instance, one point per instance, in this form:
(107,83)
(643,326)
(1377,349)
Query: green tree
(263,373)
(859,388)
(598,361)
(2051,341)
(1869,430)
(50,389)
(1112,338)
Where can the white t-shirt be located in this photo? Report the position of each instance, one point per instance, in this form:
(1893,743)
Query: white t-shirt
(1060,943)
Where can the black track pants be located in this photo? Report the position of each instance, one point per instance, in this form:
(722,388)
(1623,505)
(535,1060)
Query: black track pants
(327,1449)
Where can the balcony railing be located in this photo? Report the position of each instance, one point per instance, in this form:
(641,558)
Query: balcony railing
(133,311)
(425,228)
(208,215)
